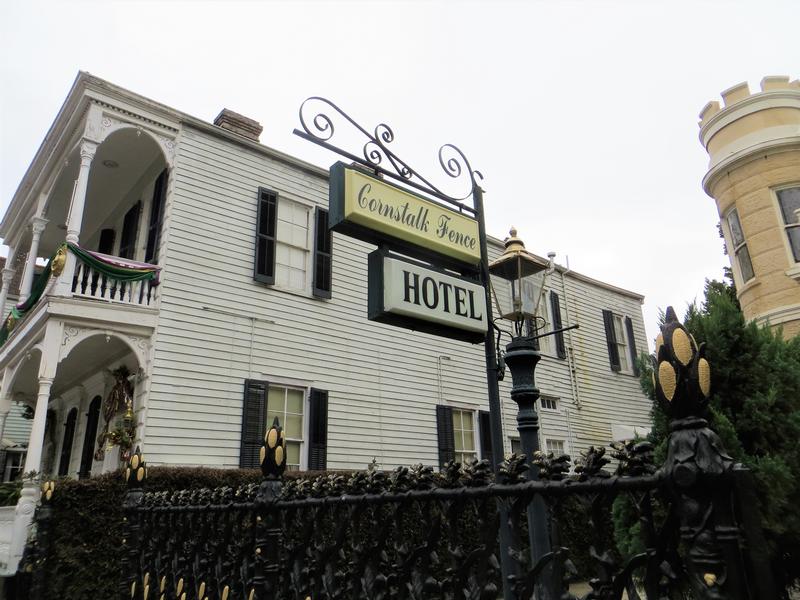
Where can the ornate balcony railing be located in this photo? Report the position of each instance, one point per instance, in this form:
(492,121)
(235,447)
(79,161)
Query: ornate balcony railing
(96,283)
(96,276)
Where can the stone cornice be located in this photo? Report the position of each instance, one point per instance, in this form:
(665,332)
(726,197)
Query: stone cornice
(745,155)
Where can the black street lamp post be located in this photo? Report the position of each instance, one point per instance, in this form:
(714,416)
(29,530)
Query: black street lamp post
(518,266)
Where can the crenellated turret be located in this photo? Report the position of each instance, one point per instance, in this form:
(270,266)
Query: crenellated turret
(753,143)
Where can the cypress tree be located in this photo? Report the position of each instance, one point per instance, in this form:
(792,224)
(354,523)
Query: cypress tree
(755,409)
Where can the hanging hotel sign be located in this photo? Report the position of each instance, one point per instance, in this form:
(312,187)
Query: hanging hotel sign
(368,208)
(405,293)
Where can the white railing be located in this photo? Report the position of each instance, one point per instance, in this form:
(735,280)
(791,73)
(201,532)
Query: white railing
(89,283)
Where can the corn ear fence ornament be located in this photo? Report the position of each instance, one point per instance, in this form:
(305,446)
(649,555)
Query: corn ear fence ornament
(417,534)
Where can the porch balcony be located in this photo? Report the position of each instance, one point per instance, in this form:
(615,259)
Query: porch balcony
(94,236)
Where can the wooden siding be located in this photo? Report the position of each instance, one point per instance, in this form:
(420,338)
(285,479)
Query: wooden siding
(18,428)
(383,381)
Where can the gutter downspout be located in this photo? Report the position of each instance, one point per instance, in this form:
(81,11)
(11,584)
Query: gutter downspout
(573,380)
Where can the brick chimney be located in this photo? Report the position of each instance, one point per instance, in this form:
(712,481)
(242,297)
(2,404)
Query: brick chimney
(233,121)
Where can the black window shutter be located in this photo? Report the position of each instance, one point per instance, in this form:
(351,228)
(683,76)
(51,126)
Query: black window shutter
(254,415)
(485,434)
(611,340)
(87,455)
(266,226)
(318,430)
(66,446)
(444,433)
(530,329)
(156,218)
(323,256)
(555,306)
(106,243)
(632,345)
(130,226)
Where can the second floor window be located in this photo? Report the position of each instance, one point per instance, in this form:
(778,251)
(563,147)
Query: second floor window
(789,201)
(283,255)
(740,247)
(291,247)
(621,343)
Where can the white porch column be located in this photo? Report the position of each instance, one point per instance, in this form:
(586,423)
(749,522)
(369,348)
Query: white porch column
(78,201)
(37,227)
(33,461)
(26,505)
(8,275)
(5,400)
(75,215)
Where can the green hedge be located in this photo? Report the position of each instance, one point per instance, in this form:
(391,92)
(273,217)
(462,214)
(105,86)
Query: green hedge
(86,534)
(9,493)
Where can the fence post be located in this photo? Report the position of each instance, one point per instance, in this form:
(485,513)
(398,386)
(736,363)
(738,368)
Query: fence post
(135,474)
(44,522)
(272,459)
(699,472)
(760,571)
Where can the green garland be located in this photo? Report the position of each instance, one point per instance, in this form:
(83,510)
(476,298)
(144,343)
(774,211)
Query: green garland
(56,262)
(114,271)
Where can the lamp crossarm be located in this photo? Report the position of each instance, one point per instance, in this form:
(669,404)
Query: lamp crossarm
(555,331)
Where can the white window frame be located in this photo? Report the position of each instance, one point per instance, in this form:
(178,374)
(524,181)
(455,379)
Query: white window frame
(547,446)
(306,390)
(475,433)
(794,264)
(16,469)
(548,398)
(512,440)
(733,249)
(623,343)
(283,198)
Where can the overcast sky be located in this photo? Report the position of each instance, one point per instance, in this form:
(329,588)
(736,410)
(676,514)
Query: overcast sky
(582,116)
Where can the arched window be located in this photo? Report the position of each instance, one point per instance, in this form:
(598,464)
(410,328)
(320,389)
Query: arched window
(66,447)
(87,455)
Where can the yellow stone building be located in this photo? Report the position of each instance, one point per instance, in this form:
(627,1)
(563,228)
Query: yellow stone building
(753,143)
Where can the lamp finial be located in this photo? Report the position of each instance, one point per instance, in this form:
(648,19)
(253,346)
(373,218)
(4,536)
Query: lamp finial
(513,243)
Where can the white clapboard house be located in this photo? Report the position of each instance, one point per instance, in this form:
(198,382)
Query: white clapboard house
(253,309)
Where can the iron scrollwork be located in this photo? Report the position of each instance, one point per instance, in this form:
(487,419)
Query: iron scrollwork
(318,126)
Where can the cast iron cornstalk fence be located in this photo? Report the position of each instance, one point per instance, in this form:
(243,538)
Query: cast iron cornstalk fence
(416,534)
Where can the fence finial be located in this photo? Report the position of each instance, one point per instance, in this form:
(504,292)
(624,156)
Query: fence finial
(682,374)
(136,471)
(272,456)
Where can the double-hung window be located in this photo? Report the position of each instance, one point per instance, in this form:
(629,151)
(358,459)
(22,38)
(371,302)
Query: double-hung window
(557,447)
(620,342)
(302,413)
(283,253)
(291,248)
(287,404)
(464,436)
(458,439)
(740,247)
(789,202)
